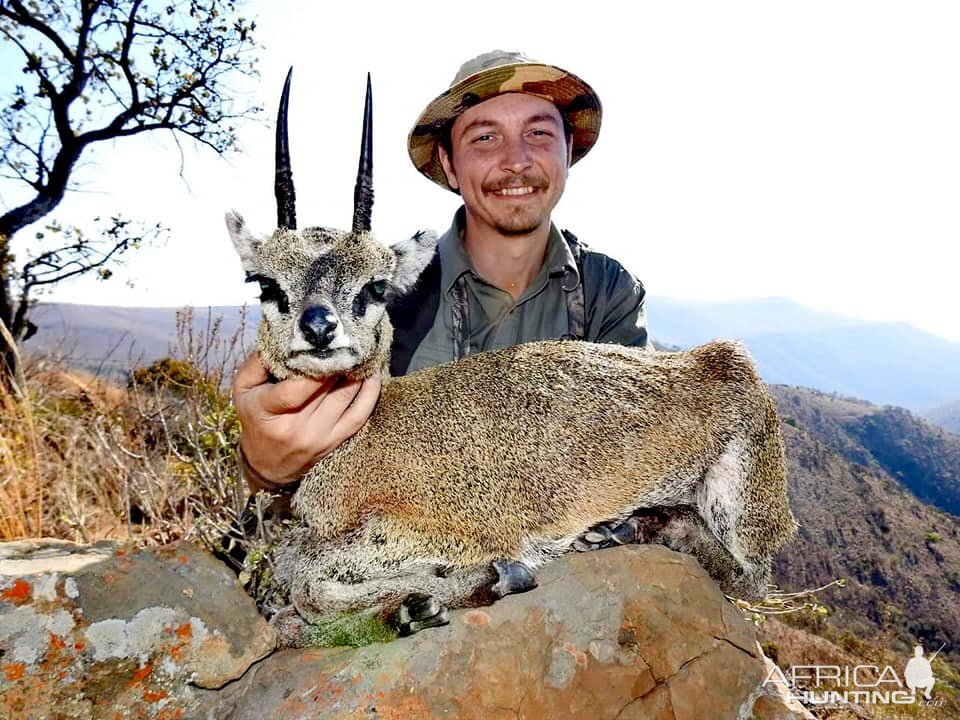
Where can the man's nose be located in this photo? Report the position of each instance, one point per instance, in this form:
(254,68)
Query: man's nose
(516,157)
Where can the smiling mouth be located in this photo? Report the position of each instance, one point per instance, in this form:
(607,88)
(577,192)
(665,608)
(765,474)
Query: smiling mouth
(514,191)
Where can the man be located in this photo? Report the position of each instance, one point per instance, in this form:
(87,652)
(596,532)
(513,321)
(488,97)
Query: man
(503,136)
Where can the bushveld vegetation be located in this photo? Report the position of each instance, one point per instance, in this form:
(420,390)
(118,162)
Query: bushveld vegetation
(85,459)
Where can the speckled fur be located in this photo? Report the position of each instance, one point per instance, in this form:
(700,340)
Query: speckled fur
(512,454)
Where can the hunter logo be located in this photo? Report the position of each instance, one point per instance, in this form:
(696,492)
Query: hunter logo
(861,684)
(919,673)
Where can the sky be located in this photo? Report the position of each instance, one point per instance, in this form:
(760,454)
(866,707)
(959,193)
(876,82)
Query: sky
(748,149)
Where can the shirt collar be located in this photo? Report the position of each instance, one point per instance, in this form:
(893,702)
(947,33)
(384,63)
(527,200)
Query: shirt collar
(454,260)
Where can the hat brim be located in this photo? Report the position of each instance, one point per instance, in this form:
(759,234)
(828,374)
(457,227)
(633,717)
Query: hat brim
(572,96)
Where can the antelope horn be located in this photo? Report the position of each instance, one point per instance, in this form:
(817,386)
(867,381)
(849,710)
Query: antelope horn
(283,180)
(363,190)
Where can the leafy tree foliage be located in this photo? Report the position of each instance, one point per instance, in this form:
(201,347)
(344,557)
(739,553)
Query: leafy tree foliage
(96,70)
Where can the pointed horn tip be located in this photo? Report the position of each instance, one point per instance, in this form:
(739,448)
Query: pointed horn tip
(286,84)
(283,177)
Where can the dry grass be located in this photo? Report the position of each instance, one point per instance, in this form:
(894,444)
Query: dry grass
(83,459)
(21,496)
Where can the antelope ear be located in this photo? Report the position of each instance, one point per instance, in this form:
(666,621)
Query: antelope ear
(413,255)
(243,240)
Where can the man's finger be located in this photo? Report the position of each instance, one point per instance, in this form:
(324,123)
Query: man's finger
(293,394)
(359,411)
(250,374)
(332,406)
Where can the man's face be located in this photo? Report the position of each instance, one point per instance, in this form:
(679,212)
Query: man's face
(509,162)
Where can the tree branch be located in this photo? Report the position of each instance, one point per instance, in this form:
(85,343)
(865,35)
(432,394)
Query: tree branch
(137,68)
(125,54)
(24,17)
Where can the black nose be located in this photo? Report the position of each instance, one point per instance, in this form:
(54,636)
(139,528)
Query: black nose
(318,326)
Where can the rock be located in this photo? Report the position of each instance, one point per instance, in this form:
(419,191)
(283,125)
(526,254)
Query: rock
(87,632)
(628,632)
(773,700)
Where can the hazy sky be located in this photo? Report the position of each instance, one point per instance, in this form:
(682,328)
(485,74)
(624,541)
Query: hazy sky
(806,150)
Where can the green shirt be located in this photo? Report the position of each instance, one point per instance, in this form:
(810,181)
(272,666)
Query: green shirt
(614,301)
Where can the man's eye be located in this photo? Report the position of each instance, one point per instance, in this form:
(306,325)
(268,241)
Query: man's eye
(486,137)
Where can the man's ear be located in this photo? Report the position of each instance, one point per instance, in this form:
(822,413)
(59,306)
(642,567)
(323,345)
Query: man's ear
(413,255)
(447,164)
(243,240)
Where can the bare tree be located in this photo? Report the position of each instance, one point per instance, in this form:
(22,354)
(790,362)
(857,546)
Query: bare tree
(98,70)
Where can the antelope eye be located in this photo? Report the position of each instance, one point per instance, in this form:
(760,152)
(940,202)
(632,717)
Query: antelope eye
(378,289)
(270,291)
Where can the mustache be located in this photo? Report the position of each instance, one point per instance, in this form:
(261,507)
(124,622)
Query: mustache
(534,181)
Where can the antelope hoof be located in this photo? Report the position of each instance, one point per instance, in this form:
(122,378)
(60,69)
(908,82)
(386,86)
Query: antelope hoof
(583,546)
(420,611)
(625,533)
(514,577)
(597,535)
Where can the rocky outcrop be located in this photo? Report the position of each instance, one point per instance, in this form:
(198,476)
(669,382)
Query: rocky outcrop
(105,631)
(631,632)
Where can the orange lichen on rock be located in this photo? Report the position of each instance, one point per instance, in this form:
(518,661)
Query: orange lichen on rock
(14,671)
(142,672)
(184,631)
(578,655)
(18,593)
(152,697)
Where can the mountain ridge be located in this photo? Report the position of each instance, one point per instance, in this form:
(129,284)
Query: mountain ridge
(888,363)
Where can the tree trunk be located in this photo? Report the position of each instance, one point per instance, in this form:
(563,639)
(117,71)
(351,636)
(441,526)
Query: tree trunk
(7,358)
(10,223)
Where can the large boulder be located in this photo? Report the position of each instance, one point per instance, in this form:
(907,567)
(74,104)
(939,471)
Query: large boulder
(631,632)
(105,631)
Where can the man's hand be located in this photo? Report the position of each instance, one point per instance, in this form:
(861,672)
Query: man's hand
(288,426)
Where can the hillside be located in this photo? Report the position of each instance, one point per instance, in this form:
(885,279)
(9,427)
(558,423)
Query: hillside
(901,557)
(923,458)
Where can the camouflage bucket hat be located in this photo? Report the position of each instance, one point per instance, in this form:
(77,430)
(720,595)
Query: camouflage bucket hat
(496,73)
